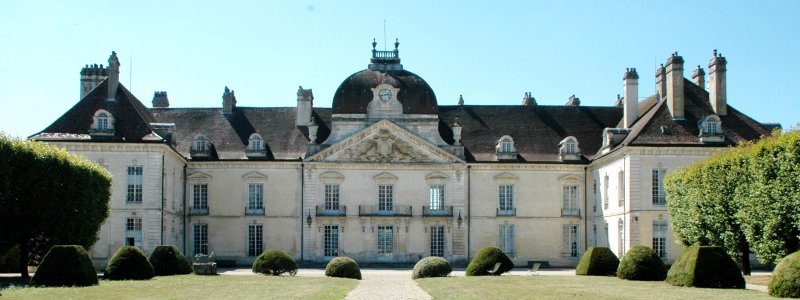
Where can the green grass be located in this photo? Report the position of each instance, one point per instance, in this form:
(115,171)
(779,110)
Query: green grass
(193,287)
(569,287)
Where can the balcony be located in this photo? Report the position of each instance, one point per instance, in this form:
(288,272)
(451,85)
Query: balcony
(571,212)
(340,212)
(253,211)
(395,211)
(441,211)
(510,212)
(199,211)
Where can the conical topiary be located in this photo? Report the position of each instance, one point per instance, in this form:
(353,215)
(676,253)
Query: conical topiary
(598,261)
(641,263)
(705,266)
(129,263)
(169,260)
(65,265)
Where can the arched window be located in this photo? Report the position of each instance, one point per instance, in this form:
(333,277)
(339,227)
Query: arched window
(711,127)
(505,145)
(568,149)
(102,121)
(255,143)
(200,144)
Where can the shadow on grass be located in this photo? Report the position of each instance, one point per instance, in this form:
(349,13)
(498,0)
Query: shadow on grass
(6,282)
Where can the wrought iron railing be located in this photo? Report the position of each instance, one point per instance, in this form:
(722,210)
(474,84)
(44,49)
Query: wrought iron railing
(199,211)
(393,211)
(440,211)
(507,212)
(338,211)
(254,211)
(576,212)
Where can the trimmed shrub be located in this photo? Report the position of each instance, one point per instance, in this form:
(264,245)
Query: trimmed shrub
(343,267)
(9,261)
(483,262)
(705,266)
(641,263)
(275,262)
(129,263)
(431,266)
(598,261)
(169,260)
(785,281)
(65,265)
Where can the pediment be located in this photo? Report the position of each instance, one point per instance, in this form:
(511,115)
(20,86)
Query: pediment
(255,176)
(571,178)
(384,142)
(198,176)
(506,177)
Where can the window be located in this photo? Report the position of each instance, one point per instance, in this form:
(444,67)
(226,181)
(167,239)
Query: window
(385,197)
(569,148)
(255,142)
(102,121)
(570,201)
(200,238)
(605,192)
(200,144)
(133,232)
(385,240)
(660,238)
(134,184)
(506,197)
(436,197)
(621,188)
(570,237)
(200,196)
(255,239)
(594,235)
(621,237)
(712,127)
(595,191)
(255,196)
(659,196)
(331,197)
(437,241)
(506,145)
(605,230)
(331,240)
(507,239)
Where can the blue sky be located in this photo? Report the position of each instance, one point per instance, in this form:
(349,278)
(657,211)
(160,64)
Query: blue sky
(492,53)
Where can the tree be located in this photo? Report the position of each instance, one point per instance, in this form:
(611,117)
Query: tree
(48,197)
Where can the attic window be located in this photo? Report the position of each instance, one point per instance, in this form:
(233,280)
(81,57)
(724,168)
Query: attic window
(201,146)
(255,147)
(505,149)
(710,129)
(568,149)
(102,123)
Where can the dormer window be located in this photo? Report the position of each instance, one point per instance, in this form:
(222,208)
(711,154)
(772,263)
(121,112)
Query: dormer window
(568,149)
(710,129)
(103,123)
(255,146)
(505,148)
(201,146)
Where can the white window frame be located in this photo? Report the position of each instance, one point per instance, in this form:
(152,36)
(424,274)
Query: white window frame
(133,230)
(621,188)
(385,240)
(200,144)
(505,197)
(621,237)
(102,123)
(255,239)
(135,189)
(331,240)
(606,183)
(331,194)
(255,195)
(660,236)
(659,195)
(436,196)
(570,238)
(386,197)
(507,239)
(200,195)
(200,238)
(437,241)
(570,199)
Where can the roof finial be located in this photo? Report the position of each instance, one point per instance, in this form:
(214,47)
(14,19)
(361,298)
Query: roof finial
(374,43)
(715,52)
(396,43)
(460,100)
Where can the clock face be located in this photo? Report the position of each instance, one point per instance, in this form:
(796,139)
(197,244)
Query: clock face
(385,95)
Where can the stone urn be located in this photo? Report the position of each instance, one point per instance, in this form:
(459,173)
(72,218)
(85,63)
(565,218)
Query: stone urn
(205,268)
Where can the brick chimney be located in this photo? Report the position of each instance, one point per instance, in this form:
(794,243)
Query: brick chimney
(631,91)
(113,76)
(228,101)
(305,103)
(674,80)
(160,99)
(699,77)
(91,77)
(716,84)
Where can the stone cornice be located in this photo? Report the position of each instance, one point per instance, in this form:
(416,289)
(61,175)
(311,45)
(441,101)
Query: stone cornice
(243,164)
(118,147)
(527,167)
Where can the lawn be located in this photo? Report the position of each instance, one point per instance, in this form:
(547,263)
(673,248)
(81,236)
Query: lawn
(569,287)
(194,287)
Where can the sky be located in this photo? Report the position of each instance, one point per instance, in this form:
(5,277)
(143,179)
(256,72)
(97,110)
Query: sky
(491,52)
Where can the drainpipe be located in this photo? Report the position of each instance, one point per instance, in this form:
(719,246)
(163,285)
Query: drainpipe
(183,209)
(469,209)
(302,199)
(586,211)
(163,200)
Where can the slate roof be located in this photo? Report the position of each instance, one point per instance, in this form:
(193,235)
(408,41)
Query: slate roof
(536,130)
(131,118)
(355,92)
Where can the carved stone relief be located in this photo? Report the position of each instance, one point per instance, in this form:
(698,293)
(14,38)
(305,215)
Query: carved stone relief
(383,147)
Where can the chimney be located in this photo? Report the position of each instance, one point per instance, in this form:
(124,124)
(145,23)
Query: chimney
(305,103)
(228,101)
(528,100)
(699,77)
(160,99)
(573,101)
(716,84)
(461,100)
(91,77)
(619,102)
(661,82)
(631,91)
(675,86)
(113,76)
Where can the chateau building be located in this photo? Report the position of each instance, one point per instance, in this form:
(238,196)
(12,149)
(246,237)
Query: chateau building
(389,175)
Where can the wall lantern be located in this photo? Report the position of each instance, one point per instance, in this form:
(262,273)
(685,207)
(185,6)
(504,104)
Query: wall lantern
(459,220)
(308,219)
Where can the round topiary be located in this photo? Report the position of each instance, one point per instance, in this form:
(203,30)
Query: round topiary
(642,263)
(705,266)
(598,261)
(275,262)
(65,265)
(483,263)
(343,267)
(785,281)
(431,266)
(129,263)
(169,260)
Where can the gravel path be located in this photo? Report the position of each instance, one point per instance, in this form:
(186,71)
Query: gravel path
(387,285)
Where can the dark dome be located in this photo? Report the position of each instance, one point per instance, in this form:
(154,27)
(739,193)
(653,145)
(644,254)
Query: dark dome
(355,93)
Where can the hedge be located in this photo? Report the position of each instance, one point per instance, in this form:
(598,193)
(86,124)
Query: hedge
(65,265)
(275,262)
(705,266)
(641,263)
(432,266)
(598,261)
(343,267)
(129,263)
(785,280)
(484,261)
(169,260)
